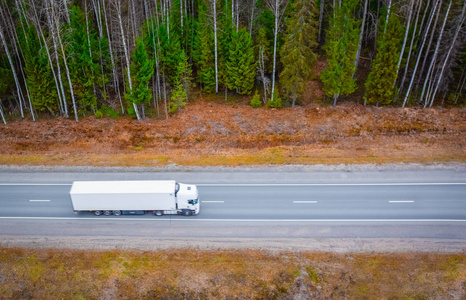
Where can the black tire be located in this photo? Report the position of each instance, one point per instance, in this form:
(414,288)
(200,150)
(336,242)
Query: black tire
(107,212)
(158,213)
(117,212)
(97,213)
(186,212)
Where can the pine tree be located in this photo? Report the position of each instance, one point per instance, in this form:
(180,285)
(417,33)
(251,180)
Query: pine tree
(205,56)
(297,54)
(341,48)
(246,71)
(142,69)
(379,84)
(39,76)
(83,64)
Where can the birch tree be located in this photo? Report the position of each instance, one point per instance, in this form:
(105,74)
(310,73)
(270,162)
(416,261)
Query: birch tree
(277,7)
(125,48)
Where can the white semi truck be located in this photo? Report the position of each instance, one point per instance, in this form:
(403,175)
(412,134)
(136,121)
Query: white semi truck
(160,197)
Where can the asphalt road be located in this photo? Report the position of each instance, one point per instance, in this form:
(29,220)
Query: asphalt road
(252,204)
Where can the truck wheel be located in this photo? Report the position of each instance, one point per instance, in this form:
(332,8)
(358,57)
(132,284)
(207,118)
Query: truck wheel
(186,212)
(107,212)
(158,213)
(97,213)
(117,212)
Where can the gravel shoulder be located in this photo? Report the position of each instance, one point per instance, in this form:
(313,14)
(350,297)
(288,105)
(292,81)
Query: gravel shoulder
(343,245)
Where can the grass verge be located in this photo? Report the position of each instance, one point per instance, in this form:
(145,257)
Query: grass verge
(228,274)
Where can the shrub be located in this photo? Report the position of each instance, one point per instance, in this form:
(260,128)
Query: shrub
(256,100)
(277,101)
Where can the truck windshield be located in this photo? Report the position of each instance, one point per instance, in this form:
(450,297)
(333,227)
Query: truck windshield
(192,202)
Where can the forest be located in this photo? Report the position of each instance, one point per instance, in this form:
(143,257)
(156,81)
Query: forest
(146,58)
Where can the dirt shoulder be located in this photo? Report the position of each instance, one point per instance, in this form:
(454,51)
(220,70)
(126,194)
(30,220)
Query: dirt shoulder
(211,134)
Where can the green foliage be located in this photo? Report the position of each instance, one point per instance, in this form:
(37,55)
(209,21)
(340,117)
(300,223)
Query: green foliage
(263,45)
(380,83)
(277,101)
(84,65)
(205,52)
(39,76)
(341,47)
(7,80)
(297,54)
(256,100)
(142,70)
(241,64)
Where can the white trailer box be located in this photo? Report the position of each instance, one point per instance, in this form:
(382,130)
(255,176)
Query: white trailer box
(120,196)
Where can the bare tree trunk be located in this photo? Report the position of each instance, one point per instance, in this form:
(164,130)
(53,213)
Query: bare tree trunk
(14,43)
(277,10)
(361,36)
(237,15)
(64,61)
(18,88)
(433,59)
(427,51)
(118,7)
(63,107)
(458,29)
(116,82)
(1,112)
(410,49)
(321,16)
(419,56)
(411,2)
(252,16)
(214,4)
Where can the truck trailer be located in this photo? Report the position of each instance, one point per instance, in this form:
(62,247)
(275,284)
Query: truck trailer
(160,197)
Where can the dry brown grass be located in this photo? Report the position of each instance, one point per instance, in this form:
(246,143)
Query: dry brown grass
(208,133)
(228,274)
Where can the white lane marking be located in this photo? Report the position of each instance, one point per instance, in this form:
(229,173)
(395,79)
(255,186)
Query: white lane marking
(331,184)
(401,201)
(301,202)
(237,220)
(213,201)
(39,200)
(275,184)
(6,184)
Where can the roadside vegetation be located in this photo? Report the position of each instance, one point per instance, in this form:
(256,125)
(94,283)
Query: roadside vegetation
(208,133)
(144,59)
(228,274)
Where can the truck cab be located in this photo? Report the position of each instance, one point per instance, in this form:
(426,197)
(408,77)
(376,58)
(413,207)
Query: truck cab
(187,197)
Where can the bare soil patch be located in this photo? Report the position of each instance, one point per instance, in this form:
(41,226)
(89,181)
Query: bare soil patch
(209,133)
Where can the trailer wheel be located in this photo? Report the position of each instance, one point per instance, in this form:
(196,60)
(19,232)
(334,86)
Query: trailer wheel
(97,213)
(117,212)
(158,213)
(107,212)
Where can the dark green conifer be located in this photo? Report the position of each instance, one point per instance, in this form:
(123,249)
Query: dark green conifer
(297,54)
(379,84)
(341,47)
(142,69)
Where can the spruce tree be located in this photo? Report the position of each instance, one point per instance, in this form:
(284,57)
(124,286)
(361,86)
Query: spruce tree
(297,54)
(142,69)
(341,48)
(379,84)
(246,71)
(83,64)
(205,56)
(39,76)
